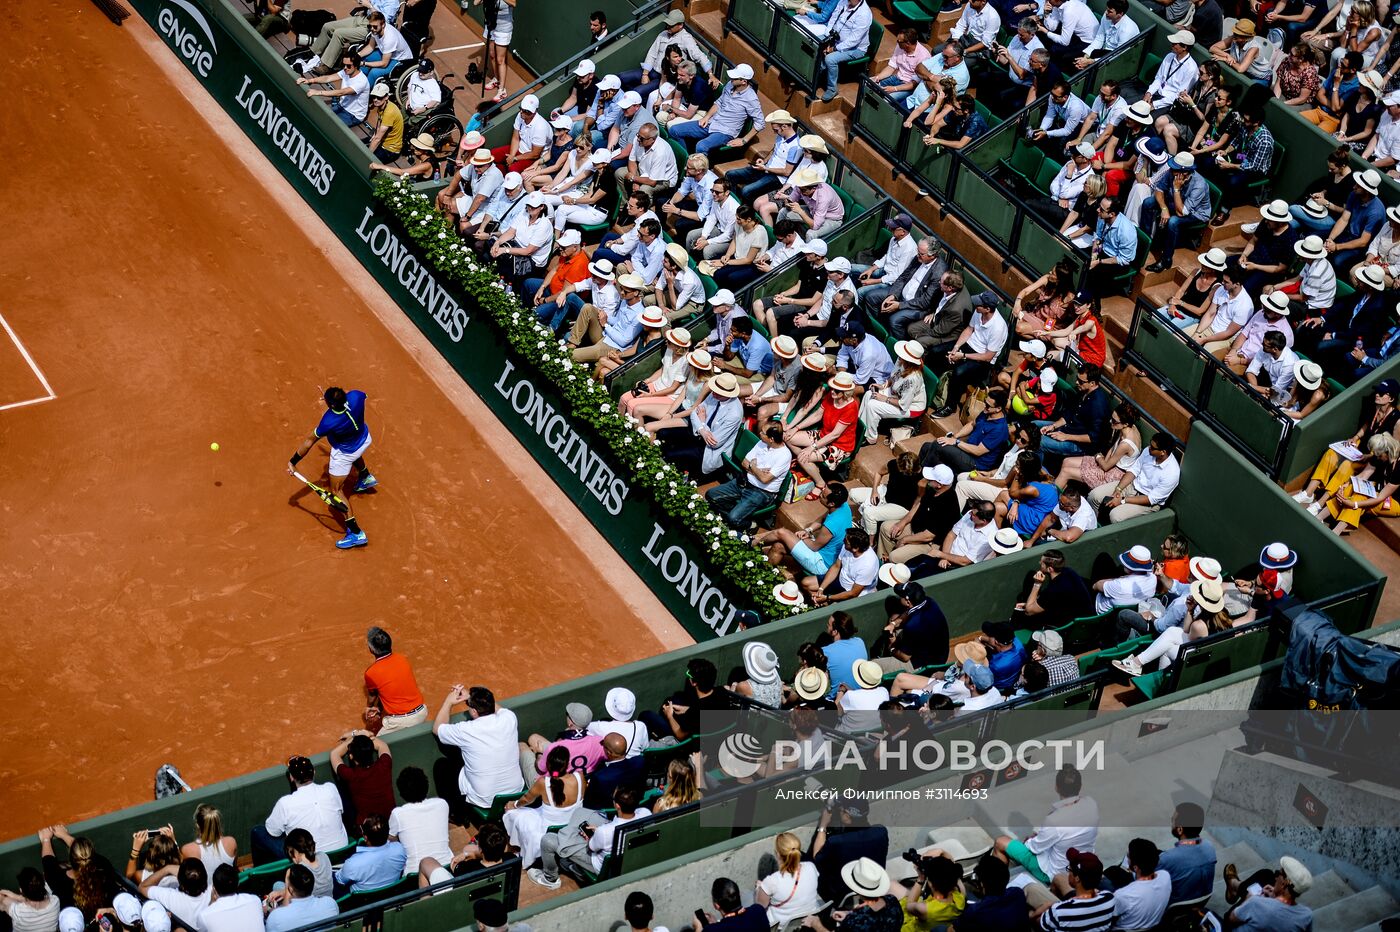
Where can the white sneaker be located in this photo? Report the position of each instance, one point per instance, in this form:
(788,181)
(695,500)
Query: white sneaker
(1129,665)
(1302,497)
(1315,508)
(538,877)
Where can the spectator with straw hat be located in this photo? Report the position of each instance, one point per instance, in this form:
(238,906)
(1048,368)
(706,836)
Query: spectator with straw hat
(597,332)
(700,446)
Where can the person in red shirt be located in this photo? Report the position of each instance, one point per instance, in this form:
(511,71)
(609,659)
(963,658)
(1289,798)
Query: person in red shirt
(568,266)
(392,693)
(364,769)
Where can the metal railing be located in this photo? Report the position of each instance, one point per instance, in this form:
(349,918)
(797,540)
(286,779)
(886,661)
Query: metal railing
(773,31)
(966,179)
(1207,387)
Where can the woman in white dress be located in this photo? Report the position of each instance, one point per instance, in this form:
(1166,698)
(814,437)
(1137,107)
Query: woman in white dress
(579,204)
(674,410)
(666,382)
(902,396)
(559,796)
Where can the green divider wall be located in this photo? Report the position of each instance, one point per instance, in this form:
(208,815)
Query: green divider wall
(1334,421)
(1233,512)
(543,38)
(327,166)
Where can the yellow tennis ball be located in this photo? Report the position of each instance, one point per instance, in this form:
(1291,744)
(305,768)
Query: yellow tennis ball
(214,447)
(1018,405)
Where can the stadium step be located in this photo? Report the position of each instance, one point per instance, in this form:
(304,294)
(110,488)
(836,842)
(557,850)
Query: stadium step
(1354,911)
(1230,229)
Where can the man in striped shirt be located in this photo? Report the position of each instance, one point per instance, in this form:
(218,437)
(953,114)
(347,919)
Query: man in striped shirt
(1088,909)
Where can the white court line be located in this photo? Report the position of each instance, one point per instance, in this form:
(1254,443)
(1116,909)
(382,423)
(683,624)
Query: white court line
(33,367)
(456,48)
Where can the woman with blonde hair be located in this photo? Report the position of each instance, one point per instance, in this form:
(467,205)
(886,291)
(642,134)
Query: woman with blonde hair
(1370,491)
(211,845)
(681,787)
(790,892)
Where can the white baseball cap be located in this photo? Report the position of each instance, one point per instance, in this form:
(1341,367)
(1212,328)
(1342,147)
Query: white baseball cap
(741,72)
(814,247)
(838,264)
(940,474)
(530,104)
(562,122)
(585,66)
(629,99)
(1034,348)
(609,82)
(512,181)
(570,238)
(723,296)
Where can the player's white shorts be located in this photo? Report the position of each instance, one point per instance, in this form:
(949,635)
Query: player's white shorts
(500,36)
(341,462)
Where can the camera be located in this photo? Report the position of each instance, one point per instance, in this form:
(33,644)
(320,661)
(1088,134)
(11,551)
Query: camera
(919,861)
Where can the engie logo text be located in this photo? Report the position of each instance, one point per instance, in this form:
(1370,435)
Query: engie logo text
(196,46)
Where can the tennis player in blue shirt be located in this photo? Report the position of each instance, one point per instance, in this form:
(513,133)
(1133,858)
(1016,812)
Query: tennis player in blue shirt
(343,425)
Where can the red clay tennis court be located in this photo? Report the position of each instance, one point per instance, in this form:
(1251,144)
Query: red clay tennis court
(168,603)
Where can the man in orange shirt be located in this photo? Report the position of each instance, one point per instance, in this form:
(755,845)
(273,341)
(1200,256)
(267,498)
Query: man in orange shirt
(568,266)
(390,687)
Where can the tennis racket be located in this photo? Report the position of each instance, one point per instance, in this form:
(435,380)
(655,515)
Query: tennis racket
(330,498)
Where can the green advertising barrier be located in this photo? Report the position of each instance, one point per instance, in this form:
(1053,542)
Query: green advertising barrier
(328,167)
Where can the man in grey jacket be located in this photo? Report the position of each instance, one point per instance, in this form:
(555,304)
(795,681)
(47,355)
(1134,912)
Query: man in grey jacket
(949,314)
(914,289)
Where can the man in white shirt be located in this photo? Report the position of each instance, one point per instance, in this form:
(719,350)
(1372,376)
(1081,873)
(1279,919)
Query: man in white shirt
(1070,518)
(1175,76)
(980,684)
(1067,184)
(1068,28)
(1231,307)
(1249,341)
(229,910)
(1105,114)
(489,740)
(899,252)
(187,900)
(651,165)
(420,824)
(1276,361)
(860,707)
(586,840)
(1073,822)
(1116,29)
(347,90)
(1142,903)
(764,468)
(387,48)
(969,541)
(713,237)
(977,27)
(853,572)
(424,91)
(529,137)
(313,806)
(973,351)
(1146,484)
(1064,114)
(1137,584)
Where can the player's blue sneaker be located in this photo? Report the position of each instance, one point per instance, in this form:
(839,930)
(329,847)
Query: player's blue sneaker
(366,483)
(351,540)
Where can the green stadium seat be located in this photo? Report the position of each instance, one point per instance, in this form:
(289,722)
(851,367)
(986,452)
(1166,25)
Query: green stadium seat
(1103,659)
(369,897)
(339,855)
(917,13)
(847,202)
(497,809)
(1045,174)
(259,880)
(1150,684)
